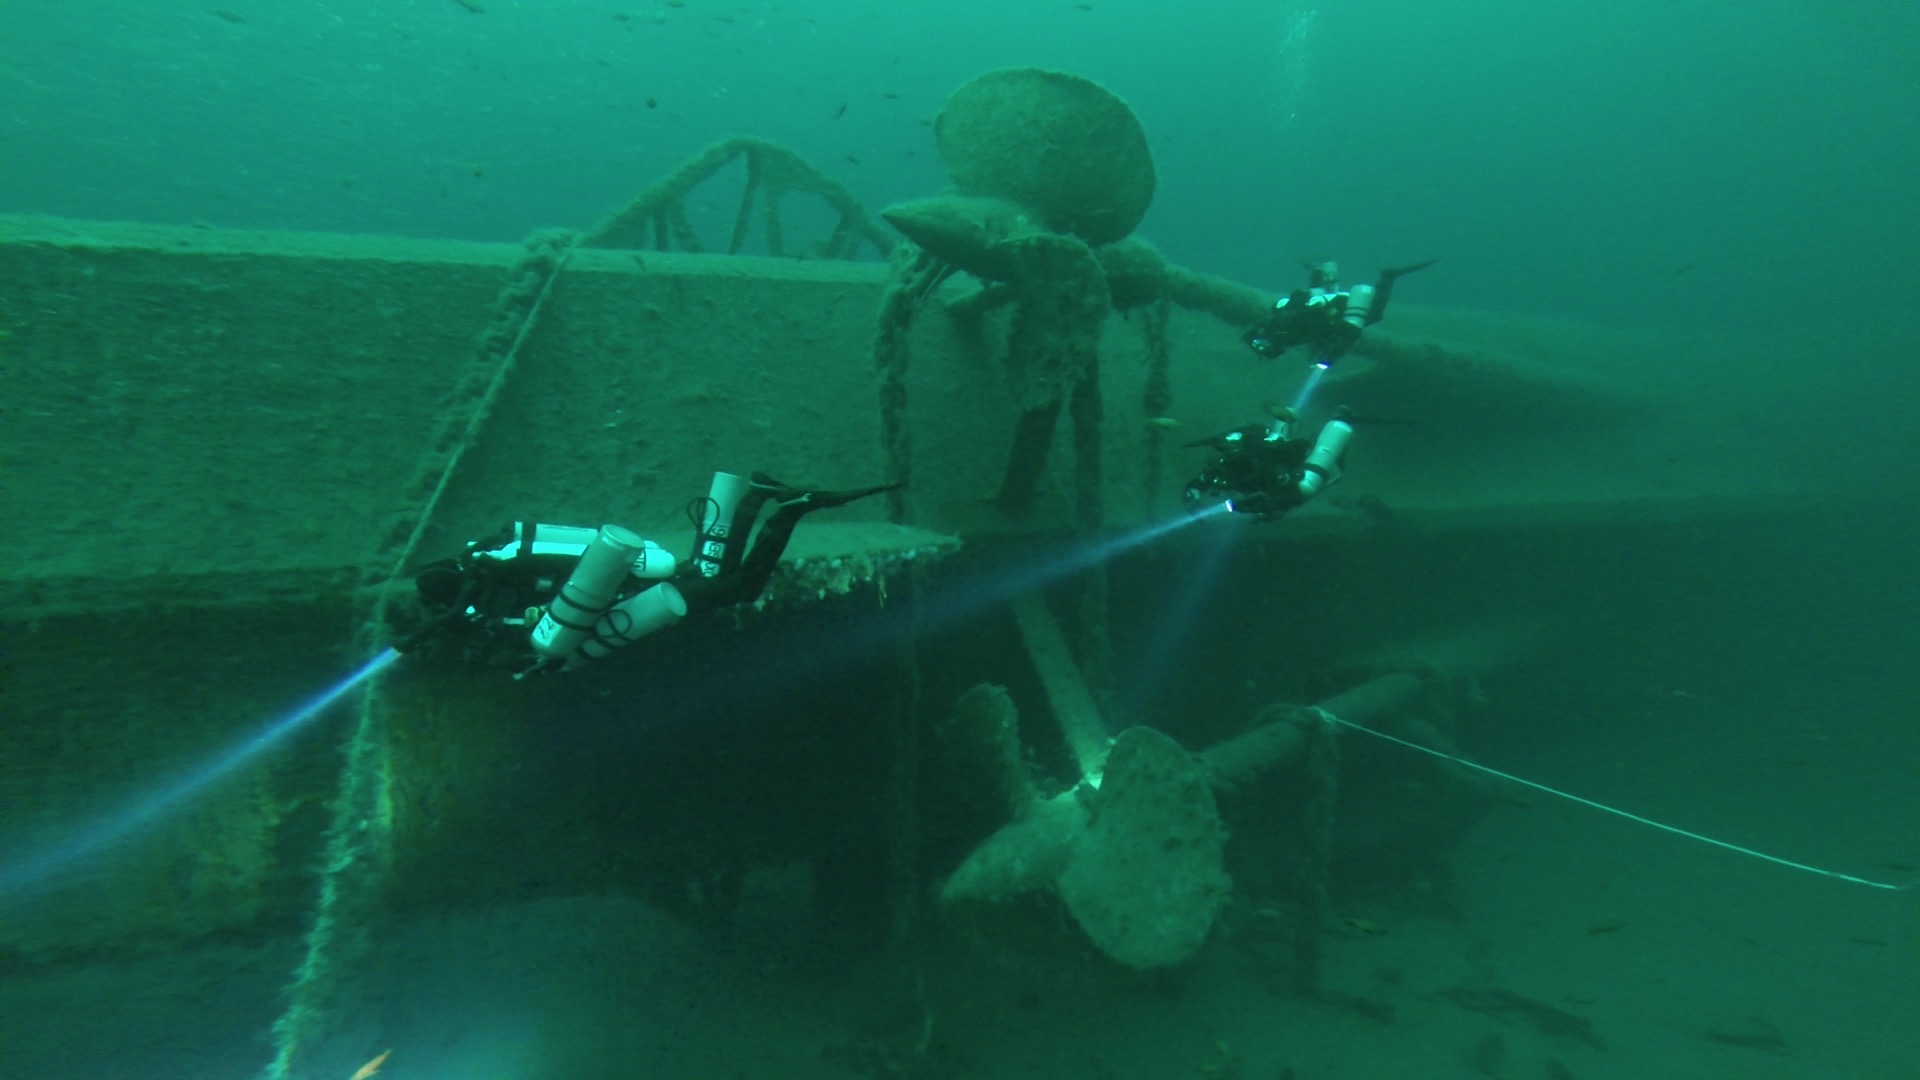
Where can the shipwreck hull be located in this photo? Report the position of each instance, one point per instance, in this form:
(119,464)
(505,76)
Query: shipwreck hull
(207,432)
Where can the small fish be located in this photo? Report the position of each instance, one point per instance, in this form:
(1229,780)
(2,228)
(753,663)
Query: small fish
(1489,1056)
(472,5)
(1164,423)
(1509,1006)
(653,103)
(229,16)
(1365,926)
(1605,926)
(1752,1033)
(364,1072)
(851,160)
(841,111)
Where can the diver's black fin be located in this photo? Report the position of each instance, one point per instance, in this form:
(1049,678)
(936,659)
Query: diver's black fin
(788,495)
(1402,271)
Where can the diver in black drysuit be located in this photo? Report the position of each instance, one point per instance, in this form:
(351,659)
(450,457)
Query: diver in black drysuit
(1324,318)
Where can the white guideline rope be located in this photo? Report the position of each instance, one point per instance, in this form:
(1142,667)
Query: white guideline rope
(1677,831)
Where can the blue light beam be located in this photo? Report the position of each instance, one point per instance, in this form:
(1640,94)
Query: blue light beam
(1020,580)
(1314,375)
(24,870)
(1193,584)
(793,658)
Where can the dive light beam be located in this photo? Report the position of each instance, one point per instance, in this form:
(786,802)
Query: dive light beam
(802,657)
(1024,578)
(1312,383)
(1145,676)
(1003,584)
(25,870)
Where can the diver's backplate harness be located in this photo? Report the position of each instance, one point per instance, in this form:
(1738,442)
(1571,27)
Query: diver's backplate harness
(541,598)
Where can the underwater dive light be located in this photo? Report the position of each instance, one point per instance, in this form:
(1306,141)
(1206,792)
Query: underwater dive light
(22,872)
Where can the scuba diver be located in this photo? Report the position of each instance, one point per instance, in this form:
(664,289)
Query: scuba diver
(1265,470)
(1323,317)
(547,598)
